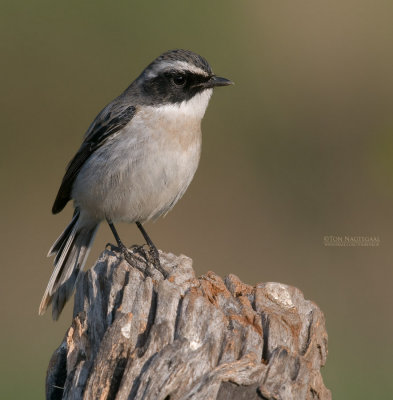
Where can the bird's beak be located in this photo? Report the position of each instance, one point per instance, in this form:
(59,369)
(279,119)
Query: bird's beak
(215,81)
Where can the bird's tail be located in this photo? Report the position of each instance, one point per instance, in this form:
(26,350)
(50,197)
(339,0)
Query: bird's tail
(71,250)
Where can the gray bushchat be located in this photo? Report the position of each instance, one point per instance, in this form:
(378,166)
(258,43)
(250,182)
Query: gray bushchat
(136,161)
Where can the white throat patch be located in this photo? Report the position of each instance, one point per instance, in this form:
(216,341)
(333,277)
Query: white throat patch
(193,108)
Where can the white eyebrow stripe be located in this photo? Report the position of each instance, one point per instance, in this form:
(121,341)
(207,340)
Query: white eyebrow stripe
(179,65)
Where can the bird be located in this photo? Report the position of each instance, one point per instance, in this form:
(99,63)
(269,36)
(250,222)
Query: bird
(136,160)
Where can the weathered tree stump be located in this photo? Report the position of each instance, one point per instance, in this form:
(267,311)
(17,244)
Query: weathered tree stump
(138,337)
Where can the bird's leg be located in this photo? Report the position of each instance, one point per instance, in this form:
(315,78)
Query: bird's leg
(153,250)
(125,251)
(120,244)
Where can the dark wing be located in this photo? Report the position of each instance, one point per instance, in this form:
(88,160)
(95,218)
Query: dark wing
(109,121)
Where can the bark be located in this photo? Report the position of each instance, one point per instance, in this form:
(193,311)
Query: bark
(135,336)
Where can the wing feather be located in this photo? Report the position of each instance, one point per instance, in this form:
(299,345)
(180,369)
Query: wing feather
(109,121)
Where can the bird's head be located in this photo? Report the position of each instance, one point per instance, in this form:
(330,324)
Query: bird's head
(178,78)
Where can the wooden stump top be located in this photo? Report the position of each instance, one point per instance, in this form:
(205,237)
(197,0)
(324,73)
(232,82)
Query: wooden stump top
(138,337)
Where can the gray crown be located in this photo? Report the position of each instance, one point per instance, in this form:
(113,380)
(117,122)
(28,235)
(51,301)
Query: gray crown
(185,56)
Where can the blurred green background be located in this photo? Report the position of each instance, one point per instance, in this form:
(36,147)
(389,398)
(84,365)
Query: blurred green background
(300,148)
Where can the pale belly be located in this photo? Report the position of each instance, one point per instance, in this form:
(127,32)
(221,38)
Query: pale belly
(141,173)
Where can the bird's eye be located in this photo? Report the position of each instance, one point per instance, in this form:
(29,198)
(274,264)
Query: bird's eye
(179,79)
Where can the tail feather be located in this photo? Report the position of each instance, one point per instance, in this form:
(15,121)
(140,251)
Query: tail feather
(71,249)
(62,239)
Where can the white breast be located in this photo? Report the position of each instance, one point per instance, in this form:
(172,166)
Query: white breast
(143,170)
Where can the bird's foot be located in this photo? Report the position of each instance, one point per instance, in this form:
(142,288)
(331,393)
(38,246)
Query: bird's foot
(138,249)
(155,261)
(153,252)
(140,257)
(151,256)
(136,259)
